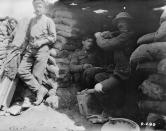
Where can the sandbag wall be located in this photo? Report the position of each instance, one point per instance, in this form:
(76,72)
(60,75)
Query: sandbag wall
(155,94)
(150,60)
(58,63)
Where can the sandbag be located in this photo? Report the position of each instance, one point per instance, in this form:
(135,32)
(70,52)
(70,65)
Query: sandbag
(58,72)
(2,52)
(54,70)
(53,52)
(153,91)
(66,34)
(62,61)
(149,52)
(145,39)
(61,39)
(1,62)
(65,21)
(62,46)
(153,106)
(63,14)
(15,109)
(51,60)
(59,46)
(157,78)
(63,70)
(52,101)
(70,47)
(2,56)
(63,54)
(54,85)
(161,68)
(65,28)
(148,67)
(2,38)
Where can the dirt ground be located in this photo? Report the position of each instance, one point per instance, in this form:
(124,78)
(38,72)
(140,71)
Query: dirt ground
(43,118)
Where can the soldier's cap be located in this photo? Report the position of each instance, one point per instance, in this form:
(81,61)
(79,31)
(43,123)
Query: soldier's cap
(122,15)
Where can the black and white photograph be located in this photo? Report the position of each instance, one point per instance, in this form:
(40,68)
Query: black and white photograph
(82,65)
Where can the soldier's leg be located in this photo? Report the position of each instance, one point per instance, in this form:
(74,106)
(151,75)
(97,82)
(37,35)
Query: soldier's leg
(39,69)
(25,74)
(112,98)
(89,76)
(40,64)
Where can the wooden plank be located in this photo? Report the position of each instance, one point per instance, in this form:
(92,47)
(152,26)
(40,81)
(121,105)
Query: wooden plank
(7,89)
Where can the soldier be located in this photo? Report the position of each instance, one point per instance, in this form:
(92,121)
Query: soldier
(86,58)
(109,88)
(41,33)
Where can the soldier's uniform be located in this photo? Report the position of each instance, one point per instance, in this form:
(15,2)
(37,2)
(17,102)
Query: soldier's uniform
(43,29)
(77,61)
(121,45)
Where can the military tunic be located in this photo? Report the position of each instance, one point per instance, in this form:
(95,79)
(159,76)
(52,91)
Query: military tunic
(122,46)
(42,29)
(77,61)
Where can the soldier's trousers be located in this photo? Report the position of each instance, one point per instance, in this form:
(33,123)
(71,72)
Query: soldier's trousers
(88,77)
(113,94)
(33,67)
(119,96)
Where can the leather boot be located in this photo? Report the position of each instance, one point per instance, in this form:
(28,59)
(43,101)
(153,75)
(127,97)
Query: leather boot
(40,95)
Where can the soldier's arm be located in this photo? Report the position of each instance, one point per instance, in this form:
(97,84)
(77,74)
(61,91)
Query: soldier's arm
(52,31)
(115,42)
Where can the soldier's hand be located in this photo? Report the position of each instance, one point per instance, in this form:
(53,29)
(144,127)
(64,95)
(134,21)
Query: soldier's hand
(98,87)
(86,66)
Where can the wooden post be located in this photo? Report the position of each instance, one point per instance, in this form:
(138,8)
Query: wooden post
(7,89)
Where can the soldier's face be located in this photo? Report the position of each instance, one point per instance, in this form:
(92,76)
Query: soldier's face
(123,25)
(39,8)
(88,44)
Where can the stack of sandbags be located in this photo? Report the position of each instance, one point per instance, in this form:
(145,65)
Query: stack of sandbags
(155,92)
(58,63)
(66,43)
(150,59)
